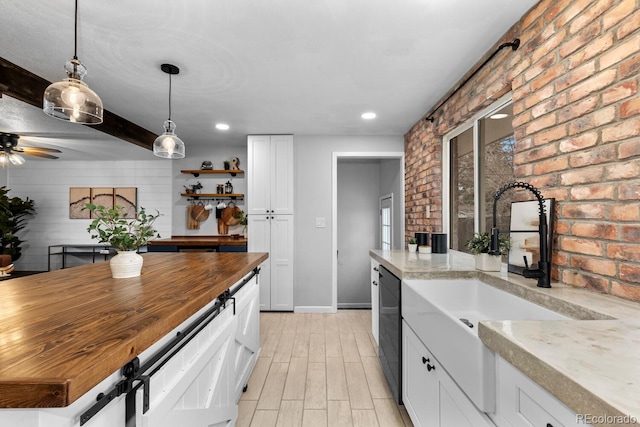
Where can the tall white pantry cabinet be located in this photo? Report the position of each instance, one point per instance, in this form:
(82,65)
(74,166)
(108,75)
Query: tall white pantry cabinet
(270,216)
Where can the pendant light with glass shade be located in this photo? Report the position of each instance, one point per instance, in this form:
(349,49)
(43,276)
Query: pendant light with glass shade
(168,145)
(71,99)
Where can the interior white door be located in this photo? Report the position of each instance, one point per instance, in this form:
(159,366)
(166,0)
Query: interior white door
(386,222)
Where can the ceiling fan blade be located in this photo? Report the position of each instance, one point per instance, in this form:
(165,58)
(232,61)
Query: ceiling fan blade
(43,155)
(28,150)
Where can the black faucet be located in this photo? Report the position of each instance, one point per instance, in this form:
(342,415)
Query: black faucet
(543,272)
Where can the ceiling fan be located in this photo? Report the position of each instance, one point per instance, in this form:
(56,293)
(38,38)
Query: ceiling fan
(10,150)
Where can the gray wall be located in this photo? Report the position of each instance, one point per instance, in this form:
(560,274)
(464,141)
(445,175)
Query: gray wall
(313,198)
(358,229)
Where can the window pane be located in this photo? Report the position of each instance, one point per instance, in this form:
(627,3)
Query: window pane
(496,167)
(462,190)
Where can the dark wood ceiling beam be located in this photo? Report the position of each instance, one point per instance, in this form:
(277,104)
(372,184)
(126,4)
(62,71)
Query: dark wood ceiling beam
(21,84)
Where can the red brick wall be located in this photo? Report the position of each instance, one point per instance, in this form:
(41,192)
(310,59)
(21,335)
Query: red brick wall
(574,82)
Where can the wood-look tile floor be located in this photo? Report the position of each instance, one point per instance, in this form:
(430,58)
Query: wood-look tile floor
(318,370)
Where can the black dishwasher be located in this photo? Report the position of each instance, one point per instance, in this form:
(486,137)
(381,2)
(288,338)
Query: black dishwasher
(390,334)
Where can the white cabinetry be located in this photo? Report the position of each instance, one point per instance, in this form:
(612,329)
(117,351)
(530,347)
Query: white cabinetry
(270,174)
(430,395)
(523,403)
(270,216)
(375,298)
(274,234)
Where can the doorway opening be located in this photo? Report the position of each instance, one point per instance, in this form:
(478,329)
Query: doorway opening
(361,182)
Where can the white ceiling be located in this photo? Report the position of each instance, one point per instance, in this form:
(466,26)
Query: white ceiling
(278,66)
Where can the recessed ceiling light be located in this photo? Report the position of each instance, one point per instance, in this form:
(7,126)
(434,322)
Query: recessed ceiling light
(498,116)
(368,115)
(222,126)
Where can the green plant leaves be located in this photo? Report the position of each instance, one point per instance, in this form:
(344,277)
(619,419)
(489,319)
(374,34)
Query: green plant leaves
(111,226)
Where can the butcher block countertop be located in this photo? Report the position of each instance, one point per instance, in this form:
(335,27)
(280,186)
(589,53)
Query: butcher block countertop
(63,332)
(205,241)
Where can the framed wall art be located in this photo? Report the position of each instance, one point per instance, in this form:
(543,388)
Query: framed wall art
(127,197)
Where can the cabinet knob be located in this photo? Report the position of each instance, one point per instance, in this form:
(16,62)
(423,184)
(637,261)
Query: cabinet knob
(425,360)
(375,283)
(432,367)
(375,269)
(549,425)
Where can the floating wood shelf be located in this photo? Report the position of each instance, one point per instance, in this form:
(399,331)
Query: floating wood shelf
(213,196)
(197,172)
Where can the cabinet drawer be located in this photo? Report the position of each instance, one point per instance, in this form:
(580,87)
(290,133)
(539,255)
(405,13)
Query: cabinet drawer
(522,402)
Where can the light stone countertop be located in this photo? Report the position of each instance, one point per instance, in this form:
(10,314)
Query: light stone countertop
(592,365)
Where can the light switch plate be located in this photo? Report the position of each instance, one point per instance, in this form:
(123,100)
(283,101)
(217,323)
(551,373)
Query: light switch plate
(321,222)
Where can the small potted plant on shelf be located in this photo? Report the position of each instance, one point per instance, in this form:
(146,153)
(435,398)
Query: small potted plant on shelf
(479,246)
(413,244)
(126,235)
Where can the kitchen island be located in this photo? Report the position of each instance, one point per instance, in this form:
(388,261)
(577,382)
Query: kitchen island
(65,335)
(589,364)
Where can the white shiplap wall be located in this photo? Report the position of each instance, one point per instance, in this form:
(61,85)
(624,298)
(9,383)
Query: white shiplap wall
(48,183)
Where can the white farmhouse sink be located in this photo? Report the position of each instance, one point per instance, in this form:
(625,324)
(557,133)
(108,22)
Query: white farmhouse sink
(434,309)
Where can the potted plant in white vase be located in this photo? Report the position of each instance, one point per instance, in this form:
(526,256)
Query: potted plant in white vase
(479,246)
(413,244)
(111,226)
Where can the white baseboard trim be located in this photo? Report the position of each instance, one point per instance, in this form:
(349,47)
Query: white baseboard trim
(313,309)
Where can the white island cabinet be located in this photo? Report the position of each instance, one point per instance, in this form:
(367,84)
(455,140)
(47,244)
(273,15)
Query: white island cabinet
(198,386)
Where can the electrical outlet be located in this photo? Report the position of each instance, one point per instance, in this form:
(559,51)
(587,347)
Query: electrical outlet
(321,222)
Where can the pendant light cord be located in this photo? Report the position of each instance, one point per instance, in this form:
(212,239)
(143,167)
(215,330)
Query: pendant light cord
(169,96)
(75,33)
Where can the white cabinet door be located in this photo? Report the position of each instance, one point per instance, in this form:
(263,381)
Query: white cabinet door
(270,174)
(259,171)
(281,262)
(259,240)
(273,234)
(375,299)
(522,402)
(430,395)
(419,385)
(247,336)
(282,174)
